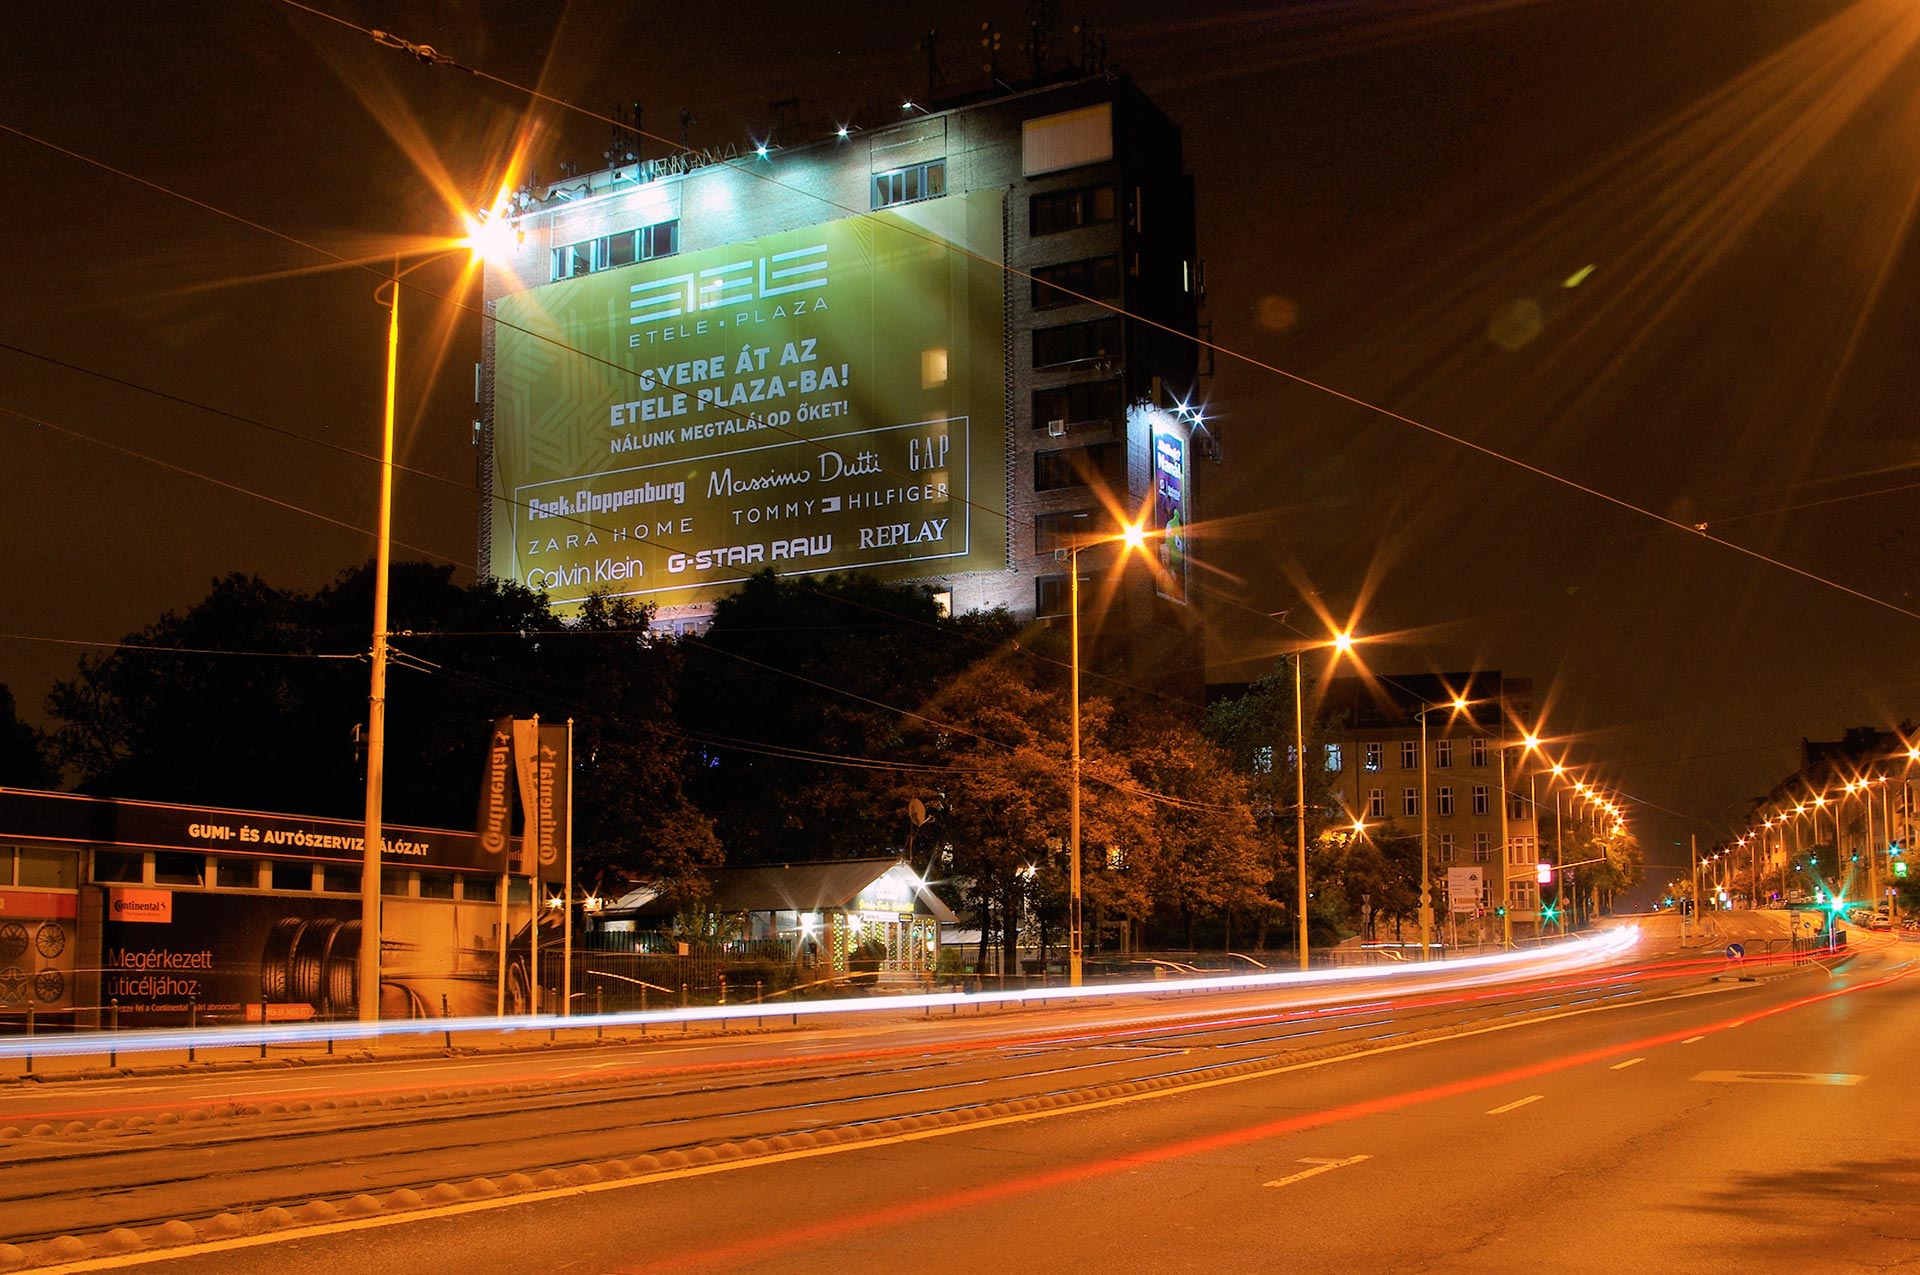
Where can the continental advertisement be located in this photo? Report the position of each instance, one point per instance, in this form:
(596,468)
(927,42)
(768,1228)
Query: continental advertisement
(817,400)
(223,958)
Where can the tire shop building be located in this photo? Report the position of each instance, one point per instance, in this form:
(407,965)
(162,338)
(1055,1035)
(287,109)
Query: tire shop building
(136,913)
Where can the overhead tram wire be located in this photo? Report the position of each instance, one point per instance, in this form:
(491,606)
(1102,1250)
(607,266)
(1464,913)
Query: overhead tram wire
(588,711)
(421,665)
(1207,344)
(431,57)
(147,648)
(464,487)
(237,488)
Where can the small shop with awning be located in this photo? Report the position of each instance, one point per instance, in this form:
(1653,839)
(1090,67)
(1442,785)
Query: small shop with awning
(835,916)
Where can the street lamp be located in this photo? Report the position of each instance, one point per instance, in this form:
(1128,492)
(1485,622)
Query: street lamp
(1131,537)
(1341,643)
(1457,705)
(372,843)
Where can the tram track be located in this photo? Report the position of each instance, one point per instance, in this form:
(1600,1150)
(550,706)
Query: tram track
(254,1159)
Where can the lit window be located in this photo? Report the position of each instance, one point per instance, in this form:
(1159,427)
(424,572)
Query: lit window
(1333,758)
(910,185)
(610,252)
(1263,760)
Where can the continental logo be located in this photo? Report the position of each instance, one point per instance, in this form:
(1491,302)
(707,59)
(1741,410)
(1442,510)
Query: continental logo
(734,284)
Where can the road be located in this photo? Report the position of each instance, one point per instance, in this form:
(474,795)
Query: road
(1595,1122)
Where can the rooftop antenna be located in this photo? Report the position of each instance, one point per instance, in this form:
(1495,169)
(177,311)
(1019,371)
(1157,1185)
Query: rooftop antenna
(1043,18)
(929,44)
(781,110)
(687,121)
(624,145)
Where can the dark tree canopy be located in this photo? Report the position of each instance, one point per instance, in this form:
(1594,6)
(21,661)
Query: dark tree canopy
(26,756)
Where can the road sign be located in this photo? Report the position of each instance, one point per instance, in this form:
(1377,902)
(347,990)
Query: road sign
(1735,951)
(1463,888)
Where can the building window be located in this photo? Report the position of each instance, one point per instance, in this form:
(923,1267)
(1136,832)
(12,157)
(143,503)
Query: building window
(48,868)
(436,885)
(1072,282)
(1446,799)
(1050,594)
(173,868)
(1522,897)
(1477,750)
(1082,403)
(1516,805)
(1409,802)
(1376,803)
(1263,760)
(1409,754)
(1482,846)
(1446,847)
(910,185)
(292,876)
(1333,759)
(237,874)
(118,866)
(339,879)
(610,252)
(1054,532)
(1060,210)
(1076,342)
(1443,754)
(1480,806)
(1074,466)
(1372,761)
(1520,852)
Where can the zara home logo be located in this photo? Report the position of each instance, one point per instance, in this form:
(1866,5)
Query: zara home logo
(734,284)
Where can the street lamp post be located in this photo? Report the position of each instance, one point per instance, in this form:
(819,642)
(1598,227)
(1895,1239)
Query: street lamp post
(1132,537)
(1458,705)
(369,986)
(1341,642)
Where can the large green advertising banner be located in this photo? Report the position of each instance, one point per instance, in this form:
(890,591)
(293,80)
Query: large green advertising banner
(816,400)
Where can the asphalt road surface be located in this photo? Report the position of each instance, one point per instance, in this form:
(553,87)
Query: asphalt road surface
(1659,1116)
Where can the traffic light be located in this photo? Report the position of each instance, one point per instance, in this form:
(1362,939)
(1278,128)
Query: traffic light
(1501,910)
(1543,873)
(1548,913)
(1900,869)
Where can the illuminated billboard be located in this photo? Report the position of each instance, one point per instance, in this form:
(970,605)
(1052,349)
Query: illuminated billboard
(1170,514)
(823,399)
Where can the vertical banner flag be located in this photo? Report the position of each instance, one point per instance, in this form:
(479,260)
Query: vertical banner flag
(552,773)
(526,746)
(495,821)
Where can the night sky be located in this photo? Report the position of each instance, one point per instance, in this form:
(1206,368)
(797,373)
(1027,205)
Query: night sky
(1394,199)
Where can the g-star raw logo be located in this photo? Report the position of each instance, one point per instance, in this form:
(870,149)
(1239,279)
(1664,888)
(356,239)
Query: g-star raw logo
(739,282)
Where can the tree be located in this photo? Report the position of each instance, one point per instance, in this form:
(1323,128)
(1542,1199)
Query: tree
(252,696)
(800,693)
(26,757)
(1255,730)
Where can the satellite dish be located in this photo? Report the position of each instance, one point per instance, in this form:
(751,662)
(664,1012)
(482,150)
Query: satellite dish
(916,811)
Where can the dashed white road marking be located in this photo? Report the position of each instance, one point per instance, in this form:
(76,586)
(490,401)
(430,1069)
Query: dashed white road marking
(1513,1106)
(1689,1040)
(1320,1165)
(1622,1066)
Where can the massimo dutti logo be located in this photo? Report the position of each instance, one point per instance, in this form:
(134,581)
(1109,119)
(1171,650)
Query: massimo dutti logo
(734,284)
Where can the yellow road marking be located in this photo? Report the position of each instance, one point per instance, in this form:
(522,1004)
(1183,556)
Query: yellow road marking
(146,1257)
(1622,1066)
